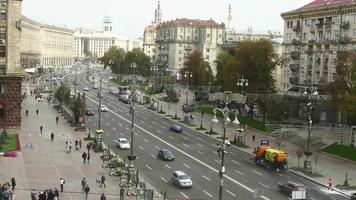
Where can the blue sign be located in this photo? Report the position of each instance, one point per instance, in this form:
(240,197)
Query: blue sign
(264,142)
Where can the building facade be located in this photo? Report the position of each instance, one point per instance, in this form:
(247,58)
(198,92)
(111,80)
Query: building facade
(313,36)
(149,34)
(11,74)
(177,39)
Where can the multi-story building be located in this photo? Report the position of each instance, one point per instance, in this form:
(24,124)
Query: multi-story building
(177,39)
(96,43)
(149,35)
(45,45)
(11,74)
(313,35)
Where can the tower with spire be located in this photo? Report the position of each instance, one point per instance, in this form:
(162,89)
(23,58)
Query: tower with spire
(229,18)
(158,14)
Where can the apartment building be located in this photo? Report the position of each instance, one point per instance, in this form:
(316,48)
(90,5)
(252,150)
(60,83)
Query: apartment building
(149,35)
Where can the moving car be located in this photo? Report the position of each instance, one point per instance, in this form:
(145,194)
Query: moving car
(95,87)
(125,99)
(189,108)
(181,180)
(104,108)
(175,128)
(165,154)
(89,112)
(122,143)
(86,89)
(293,190)
(100,95)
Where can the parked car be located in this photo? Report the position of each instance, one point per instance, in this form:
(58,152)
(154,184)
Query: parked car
(165,154)
(104,108)
(181,180)
(100,95)
(95,87)
(175,128)
(89,112)
(189,108)
(289,187)
(122,143)
(86,89)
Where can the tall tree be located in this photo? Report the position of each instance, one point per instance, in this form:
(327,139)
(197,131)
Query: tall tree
(142,61)
(113,58)
(226,71)
(200,69)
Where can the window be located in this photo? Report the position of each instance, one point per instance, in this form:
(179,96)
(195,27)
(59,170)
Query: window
(2,51)
(207,50)
(207,57)
(180,52)
(220,36)
(180,59)
(2,72)
(2,14)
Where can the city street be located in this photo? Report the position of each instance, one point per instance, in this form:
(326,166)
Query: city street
(194,153)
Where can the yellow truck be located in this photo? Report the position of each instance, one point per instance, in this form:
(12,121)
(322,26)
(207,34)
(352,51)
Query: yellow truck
(271,158)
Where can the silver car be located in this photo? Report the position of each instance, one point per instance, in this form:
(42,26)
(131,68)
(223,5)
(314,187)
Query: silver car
(181,180)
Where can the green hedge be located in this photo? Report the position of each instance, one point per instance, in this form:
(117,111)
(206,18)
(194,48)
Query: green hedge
(10,144)
(243,120)
(341,151)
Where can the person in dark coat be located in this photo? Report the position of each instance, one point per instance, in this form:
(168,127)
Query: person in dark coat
(86,190)
(42,196)
(52,136)
(102,182)
(84,156)
(122,193)
(50,195)
(13,183)
(102,197)
(56,193)
(57,119)
(88,157)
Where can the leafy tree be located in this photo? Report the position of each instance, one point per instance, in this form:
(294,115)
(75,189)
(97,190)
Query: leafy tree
(142,61)
(63,93)
(226,71)
(200,69)
(113,58)
(75,107)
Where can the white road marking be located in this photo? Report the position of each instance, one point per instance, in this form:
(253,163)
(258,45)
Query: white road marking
(163,127)
(234,154)
(257,172)
(157,147)
(171,137)
(239,172)
(121,134)
(215,152)
(207,193)
(113,119)
(185,145)
(279,174)
(201,153)
(141,147)
(200,145)
(230,193)
(206,177)
(120,124)
(199,138)
(264,185)
(127,128)
(184,195)
(150,126)
(142,121)
(164,179)
(187,154)
(159,131)
(217,161)
(167,166)
(146,140)
(185,138)
(149,167)
(153,156)
(186,165)
(106,134)
(135,133)
(234,161)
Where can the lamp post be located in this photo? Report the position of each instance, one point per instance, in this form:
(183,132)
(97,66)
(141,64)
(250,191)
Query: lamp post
(161,70)
(310,92)
(99,131)
(242,82)
(221,147)
(187,75)
(75,80)
(132,157)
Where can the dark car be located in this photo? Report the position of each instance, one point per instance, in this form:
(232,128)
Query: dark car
(289,187)
(165,154)
(175,128)
(89,112)
(189,108)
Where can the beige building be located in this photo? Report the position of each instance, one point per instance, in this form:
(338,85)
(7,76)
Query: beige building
(313,35)
(11,74)
(149,35)
(45,45)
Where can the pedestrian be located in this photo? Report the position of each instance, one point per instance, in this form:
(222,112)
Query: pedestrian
(57,119)
(253,138)
(41,129)
(52,136)
(88,157)
(42,196)
(122,192)
(84,183)
(330,184)
(6,194)
(26,112)
(80,144)
(84,156)
(88,147)
(56,193)
(33,195)
(50,195)
(70,146)
(102,182)
(13,183)
(37,111)
(62,182)
(102,197)
(76,145)
(86,190)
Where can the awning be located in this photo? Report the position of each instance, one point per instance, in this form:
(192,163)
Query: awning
(30,70)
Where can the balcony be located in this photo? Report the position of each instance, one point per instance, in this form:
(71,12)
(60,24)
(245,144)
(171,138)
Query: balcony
(296,28)
(293,80)
(344,40)
(311,41)
(296,41)
(294,55)
(294,67)
(345,25)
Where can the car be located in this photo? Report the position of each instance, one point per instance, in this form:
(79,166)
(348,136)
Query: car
(89,112)
(104,108)
(100,95)
(186,109)
(175,128)
(165,154)
(125,99)
(86,89)
(95,87)
(289,187)
(122,143)
(181,180)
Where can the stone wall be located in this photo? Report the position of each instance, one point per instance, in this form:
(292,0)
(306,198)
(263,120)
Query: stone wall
(12,99)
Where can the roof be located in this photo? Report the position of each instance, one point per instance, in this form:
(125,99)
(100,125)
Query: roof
(150,28)
(190,22)
(317,4)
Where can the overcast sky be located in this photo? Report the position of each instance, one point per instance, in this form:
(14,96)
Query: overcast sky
(129,17)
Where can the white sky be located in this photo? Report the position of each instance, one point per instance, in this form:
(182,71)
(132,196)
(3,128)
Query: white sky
(130,17)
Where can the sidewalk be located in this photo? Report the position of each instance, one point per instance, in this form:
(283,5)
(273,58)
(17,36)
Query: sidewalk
(327,166)
(41,162)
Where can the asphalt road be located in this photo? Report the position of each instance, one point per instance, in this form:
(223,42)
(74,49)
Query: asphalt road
(194,154)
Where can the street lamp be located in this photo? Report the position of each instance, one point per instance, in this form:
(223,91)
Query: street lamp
(132,157)
(310,92)
(161,70)
(221,147)
(242,82)
(99,131)
(187,75)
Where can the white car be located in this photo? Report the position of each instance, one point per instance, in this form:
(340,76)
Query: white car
(122,143)
(86,89)
(104,108)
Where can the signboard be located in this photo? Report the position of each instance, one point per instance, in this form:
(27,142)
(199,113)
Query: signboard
(264,142)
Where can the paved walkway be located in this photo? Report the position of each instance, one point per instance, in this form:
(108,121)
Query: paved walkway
(41,163)
(327,166)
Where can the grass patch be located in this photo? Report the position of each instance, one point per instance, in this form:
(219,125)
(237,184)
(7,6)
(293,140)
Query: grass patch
(243,120)
(89,139)
(10,144)
(312,175)
(240,145)
(342,187)
(341,151)
(176,118)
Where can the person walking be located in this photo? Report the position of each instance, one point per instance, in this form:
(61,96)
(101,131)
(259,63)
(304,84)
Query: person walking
(84,183)
(86,190)
(253,138)
(57,119)
(33,195)
(56,193)
(37,111)
(102,197)
(88,157)
(76,145)
(50,195)
(26,112)
(80,144)
(42,196)
(122,193)
(88,147)
(52,136)
(62,182)
(84,156)
(41,129)
(70,146)
(102,182)
(13,183)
